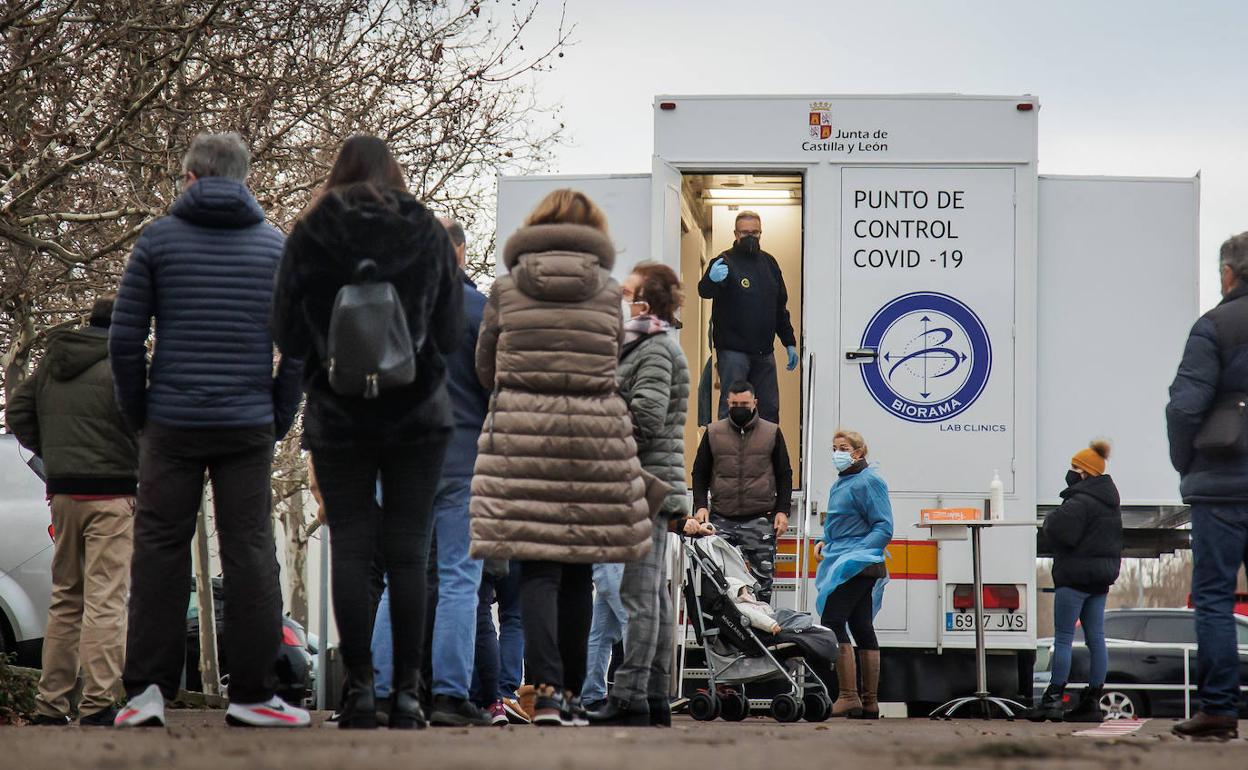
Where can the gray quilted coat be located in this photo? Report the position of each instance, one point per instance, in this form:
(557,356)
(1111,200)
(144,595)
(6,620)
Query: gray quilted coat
(654,380)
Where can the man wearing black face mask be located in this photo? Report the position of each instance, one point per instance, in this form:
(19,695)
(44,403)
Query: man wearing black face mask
(750,308)
(743,482)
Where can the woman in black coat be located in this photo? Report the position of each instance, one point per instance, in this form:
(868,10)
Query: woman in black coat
(1085,533)
(364,212)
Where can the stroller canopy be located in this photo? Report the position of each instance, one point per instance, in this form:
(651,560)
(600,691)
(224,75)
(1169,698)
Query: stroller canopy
(729,560)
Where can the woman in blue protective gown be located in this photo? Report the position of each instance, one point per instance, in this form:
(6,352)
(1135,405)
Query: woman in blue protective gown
(858,528)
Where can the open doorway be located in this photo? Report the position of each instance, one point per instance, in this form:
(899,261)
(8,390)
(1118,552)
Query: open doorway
(709,208)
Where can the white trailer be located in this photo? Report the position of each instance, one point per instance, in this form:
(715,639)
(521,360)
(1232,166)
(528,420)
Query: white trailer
(967,315)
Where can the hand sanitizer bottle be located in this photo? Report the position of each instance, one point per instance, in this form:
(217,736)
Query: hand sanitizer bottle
(996,497)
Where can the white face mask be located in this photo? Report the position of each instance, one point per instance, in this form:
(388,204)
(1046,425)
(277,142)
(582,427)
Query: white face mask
(626,308)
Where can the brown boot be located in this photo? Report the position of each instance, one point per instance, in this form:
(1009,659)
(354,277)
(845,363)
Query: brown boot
(1208,727)
(847,702)
(869,661)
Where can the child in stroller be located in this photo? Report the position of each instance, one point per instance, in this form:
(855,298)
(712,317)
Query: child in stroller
(747,641)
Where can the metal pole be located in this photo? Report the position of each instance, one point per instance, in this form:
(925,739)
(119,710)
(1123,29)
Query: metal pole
(322,649)
(981,665)
(678,630)
(1187,683)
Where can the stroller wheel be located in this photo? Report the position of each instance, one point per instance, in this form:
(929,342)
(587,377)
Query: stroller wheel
(818,707)
(786,708)
(735,707)
(704,707)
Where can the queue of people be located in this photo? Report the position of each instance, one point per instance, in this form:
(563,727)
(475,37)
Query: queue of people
(533,441)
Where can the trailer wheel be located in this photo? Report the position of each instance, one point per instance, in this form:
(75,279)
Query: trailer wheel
(786,708)
(734,707)
(818,707)
(704,707)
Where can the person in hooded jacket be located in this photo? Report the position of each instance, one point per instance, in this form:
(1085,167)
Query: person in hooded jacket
(856,532)
(558,485)
(364,213)
(67,415)
(1085,533)
(208,401)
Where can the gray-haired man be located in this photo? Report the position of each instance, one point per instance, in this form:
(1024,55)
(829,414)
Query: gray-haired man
(208,402)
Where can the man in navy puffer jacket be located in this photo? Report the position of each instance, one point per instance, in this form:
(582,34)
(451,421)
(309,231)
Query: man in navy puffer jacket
(209,401)
(1211,388)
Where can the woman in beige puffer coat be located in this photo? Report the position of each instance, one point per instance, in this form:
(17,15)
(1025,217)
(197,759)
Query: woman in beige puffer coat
(558,486)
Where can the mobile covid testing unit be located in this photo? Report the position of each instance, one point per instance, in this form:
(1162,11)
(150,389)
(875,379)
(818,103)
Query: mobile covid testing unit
(970,317)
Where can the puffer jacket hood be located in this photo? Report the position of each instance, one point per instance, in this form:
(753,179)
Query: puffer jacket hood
(559,263)
(215,201)
(1101,488)
(74,354)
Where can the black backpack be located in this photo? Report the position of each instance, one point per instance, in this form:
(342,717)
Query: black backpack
(370,347)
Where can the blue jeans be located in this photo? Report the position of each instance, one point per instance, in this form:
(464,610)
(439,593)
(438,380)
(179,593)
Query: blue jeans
(759,371)
(459,577)
(1070,605)
(610,618)
(383,648)
(499,665)
(1219,548)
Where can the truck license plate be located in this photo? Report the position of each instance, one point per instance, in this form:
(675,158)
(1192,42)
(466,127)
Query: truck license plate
(993,621)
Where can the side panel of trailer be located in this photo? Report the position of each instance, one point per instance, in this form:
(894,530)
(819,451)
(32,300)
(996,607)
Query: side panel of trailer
(1119,291)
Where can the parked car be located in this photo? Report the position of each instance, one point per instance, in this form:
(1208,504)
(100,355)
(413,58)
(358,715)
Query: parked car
(1146,650)
(25,555)
(295,667)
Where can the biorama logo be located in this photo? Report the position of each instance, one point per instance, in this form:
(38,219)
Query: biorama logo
(823,136)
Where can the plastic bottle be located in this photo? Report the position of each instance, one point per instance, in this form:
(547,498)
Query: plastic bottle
(996,497)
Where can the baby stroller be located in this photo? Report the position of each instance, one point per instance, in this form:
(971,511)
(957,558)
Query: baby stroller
(735,652)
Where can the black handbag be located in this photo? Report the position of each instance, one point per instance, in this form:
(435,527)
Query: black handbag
(1224,433)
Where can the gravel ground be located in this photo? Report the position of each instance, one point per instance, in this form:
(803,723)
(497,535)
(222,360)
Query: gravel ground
(199,740)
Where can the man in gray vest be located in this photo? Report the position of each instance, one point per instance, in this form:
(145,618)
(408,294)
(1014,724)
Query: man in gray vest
(743,482)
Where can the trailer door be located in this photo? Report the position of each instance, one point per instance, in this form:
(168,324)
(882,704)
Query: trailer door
(927,324)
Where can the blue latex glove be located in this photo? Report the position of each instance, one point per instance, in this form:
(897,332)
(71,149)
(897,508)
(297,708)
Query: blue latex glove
(718,271)
(792,358)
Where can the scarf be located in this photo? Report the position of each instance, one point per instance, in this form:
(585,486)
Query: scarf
(644,326)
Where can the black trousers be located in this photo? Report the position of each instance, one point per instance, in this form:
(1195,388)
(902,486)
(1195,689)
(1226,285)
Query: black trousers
(557,606)
(172,462)
(348,477)
(848,611)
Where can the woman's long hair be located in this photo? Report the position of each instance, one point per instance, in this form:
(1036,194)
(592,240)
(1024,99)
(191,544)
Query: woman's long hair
(364,164)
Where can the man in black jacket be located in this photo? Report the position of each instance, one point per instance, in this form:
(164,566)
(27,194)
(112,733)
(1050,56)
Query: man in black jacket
(1209,391)
(749,309)
(67,415)
(209,401)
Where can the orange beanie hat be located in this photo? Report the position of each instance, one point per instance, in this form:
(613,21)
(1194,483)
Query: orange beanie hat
(1092,460)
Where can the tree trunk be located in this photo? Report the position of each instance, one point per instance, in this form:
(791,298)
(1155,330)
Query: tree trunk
(209,671)
(17,356)
(296,557)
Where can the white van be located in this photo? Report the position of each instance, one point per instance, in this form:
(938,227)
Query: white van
(25,556)
(967,315)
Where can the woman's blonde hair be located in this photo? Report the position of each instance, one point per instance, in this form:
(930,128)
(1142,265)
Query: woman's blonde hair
(568,207)
(854,438)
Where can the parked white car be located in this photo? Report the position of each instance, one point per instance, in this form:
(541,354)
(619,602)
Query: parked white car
(25,556)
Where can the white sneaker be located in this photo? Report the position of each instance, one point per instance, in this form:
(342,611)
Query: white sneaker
(147,709)
(273,713)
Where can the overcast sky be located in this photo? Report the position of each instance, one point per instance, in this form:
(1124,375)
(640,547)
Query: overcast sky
(1130,87)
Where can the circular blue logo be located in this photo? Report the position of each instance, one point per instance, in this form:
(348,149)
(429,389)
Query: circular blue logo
(933,357)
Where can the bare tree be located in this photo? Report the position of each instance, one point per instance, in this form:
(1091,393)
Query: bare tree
(100,99)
